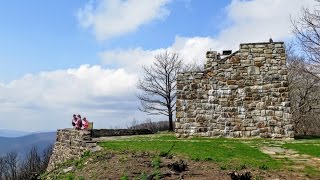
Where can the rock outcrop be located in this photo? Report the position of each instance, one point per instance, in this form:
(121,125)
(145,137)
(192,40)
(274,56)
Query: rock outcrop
(70,144)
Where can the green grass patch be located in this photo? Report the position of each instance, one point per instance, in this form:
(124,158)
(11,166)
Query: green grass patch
(156,167)
(124,177)
(229,153)
(310,171)
(310,148)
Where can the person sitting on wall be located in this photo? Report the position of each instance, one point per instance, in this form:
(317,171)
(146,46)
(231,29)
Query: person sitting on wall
(85,123)
(79,122)
(74,121)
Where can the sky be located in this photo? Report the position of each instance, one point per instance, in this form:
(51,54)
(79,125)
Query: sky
(59,58)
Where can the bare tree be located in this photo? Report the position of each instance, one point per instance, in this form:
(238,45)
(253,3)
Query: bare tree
(158,86)
(304,96)
(307,31)
(11,160)
(304,72)
(3,168)
(35,163)
(31,164)
(46,154)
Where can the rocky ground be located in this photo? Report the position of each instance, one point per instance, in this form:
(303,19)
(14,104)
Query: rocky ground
(127,164)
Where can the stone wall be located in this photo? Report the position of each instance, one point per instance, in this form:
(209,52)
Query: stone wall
(242,95)
(118,132)
(71,143)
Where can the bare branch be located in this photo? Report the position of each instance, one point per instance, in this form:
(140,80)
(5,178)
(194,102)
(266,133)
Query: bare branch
(158,86)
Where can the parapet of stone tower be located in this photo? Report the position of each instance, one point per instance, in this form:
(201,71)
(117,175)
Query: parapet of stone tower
(244,94)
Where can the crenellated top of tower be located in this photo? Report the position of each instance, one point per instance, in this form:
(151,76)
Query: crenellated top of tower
(253,49)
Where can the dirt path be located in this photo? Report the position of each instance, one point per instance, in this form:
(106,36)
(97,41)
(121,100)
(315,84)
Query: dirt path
(299,161)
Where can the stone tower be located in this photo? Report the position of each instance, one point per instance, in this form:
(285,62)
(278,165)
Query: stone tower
(244,94)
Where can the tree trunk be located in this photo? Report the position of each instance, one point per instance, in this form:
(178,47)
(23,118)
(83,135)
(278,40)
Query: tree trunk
(170,122)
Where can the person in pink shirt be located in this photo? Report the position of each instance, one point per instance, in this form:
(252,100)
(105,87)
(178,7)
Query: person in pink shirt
(85,123)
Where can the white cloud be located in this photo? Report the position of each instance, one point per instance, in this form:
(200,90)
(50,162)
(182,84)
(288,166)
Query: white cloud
(111,18)
(72,85)
(249,21)
(258,20)
(54,96)
(190,50)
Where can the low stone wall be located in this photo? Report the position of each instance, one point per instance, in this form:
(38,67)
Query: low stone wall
(71,143)
(118,132)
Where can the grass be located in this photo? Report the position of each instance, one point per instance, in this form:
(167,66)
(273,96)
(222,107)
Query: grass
(310,147)
(310,171)
(78,163)
(156,166)
(228,153)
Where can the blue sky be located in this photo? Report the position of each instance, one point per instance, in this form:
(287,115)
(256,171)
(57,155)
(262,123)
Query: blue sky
(63,57)
(45,35)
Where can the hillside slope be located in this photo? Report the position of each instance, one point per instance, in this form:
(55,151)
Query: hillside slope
(22,144)
(12,133)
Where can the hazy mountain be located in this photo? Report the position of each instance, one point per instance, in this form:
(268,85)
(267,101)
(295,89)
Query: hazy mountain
(12,133)
(23,144)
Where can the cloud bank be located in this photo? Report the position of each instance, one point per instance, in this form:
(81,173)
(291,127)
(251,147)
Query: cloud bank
(90,90)
(112,18)
(248,21)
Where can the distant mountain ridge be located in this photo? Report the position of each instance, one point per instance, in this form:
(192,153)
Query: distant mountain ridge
(12,133)
(22,144)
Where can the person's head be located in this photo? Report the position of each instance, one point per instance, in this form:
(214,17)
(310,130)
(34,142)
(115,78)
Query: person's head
(79,116)
(84,118)
(74,115)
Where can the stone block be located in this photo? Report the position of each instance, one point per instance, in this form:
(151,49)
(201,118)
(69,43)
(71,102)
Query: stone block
(237,127)
(250,128)
(260,105)
(276,135)
(265,135)
(225,66)
(259,59)
(253,70)
(288,127)
(236,59)
(278,130)
(278,45)
(255,132)
(214,133)
(245,62)
(237,134)
(179,114)
(278,113)
(246,133)
(268,51)
(290,134)
(243,46)
(272,123)
(231,82)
